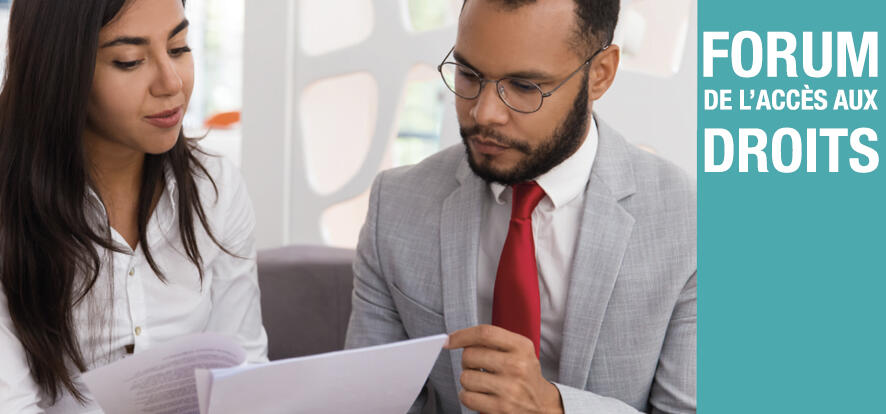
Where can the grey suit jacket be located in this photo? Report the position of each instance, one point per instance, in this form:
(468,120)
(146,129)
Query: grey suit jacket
(629,332)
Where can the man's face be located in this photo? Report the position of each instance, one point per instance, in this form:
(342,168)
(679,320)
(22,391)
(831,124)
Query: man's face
(533,42)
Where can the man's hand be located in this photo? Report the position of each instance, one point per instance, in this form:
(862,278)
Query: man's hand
(501,374)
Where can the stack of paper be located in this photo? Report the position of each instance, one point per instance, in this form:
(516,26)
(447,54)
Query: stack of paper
(380,379)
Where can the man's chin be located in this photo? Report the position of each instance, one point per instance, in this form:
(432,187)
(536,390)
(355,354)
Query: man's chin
(492,170)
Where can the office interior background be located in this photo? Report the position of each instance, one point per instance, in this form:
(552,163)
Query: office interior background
(332,92)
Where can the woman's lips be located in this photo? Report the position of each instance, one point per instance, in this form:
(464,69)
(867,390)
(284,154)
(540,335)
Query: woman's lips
(165,119)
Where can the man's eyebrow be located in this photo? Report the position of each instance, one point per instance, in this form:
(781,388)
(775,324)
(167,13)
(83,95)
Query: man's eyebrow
(461,59)
(531,75)
(523,74)
(141,41)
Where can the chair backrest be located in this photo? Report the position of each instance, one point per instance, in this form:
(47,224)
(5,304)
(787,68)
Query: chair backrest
(306,298)
(306,301)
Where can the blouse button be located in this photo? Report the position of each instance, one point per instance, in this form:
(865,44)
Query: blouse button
(138,330)
(132,271)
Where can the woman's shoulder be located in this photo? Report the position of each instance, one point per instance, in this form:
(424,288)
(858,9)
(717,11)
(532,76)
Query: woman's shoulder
(223,195)
(220,182)
(218,166)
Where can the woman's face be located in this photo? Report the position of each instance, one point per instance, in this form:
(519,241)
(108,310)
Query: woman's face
(144,75)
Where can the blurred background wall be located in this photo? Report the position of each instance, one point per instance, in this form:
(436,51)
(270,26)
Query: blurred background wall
(331,92)
(336,91)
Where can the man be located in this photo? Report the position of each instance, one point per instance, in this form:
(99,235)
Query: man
(560,259)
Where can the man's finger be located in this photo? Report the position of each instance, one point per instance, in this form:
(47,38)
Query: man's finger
(479,402)
(483,382)
(476,357)
(490,337)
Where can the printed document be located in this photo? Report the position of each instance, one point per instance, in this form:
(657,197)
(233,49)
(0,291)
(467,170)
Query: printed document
(206,374)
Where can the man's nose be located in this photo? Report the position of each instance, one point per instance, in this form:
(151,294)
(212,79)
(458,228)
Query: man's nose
(488,108)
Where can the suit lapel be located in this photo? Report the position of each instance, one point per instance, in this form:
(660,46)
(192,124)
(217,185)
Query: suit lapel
(602,240)
(459,241)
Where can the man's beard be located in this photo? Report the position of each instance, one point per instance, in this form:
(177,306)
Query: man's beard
(551,152)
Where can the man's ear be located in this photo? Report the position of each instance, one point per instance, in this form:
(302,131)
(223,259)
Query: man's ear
(602,72)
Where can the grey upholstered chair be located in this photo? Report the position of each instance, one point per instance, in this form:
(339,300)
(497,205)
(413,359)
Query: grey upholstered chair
(306,300)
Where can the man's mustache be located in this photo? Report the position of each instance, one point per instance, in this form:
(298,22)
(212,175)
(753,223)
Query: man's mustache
(489,133)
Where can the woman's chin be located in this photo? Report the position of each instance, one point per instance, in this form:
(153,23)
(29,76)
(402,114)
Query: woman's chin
(161,145)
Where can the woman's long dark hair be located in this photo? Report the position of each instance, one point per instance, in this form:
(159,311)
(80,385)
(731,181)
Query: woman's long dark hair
(50,254)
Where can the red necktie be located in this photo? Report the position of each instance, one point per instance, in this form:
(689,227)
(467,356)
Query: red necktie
(515,302)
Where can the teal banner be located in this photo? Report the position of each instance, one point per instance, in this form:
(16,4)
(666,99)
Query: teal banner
(792,207)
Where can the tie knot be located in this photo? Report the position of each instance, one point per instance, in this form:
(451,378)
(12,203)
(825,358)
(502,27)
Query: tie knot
(526,196)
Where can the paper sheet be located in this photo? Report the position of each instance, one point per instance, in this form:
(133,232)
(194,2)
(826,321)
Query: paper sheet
(383,379)
(161,380)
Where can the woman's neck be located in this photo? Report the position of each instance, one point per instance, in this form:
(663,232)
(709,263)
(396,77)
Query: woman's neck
(116,172)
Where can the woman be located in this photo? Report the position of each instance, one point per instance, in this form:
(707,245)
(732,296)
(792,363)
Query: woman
(116,232)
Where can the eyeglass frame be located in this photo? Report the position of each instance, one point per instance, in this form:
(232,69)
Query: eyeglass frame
(498,90)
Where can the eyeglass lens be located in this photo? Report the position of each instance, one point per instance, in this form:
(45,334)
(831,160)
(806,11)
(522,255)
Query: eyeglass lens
(521,95)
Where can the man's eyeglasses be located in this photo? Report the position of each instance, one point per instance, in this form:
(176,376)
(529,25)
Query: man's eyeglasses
(518,94)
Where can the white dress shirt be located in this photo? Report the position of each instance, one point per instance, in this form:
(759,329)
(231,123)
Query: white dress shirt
(145,311)
(555,225)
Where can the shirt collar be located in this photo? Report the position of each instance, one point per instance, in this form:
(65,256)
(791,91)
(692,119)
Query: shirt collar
(165,211)
(170,193)
(568,179)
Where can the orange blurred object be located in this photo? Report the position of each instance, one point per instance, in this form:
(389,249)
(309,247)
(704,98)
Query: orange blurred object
(223,119)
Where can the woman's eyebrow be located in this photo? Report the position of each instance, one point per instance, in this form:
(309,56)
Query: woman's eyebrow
(181,26)
(141,41)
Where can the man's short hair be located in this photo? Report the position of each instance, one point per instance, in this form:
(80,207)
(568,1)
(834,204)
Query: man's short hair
(595,21)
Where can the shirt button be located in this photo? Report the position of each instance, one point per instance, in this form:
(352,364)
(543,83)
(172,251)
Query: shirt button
(132,272)
(138,330)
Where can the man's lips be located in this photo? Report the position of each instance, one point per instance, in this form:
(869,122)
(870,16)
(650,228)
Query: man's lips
(487,146)
(165,119)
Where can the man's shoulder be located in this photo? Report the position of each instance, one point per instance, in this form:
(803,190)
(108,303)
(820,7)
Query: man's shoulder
(657,176)
(407,201)
(432,179)
(655,191)
(639,173)
(662,202)
(661,199)
(629,170)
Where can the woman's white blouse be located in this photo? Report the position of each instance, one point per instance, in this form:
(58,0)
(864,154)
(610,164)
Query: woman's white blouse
(146,311)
